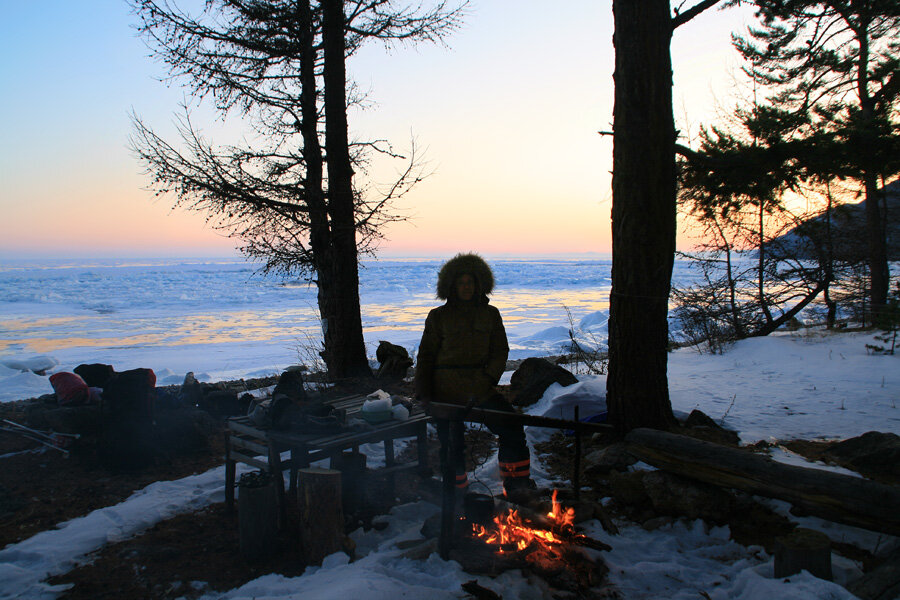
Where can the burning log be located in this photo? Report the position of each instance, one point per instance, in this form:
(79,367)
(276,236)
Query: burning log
(559,524)
(547,545)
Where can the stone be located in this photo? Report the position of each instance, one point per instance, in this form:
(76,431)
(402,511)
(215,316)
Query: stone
(533,377)
(700,426)
(680,497)
(872,453)
(611,458)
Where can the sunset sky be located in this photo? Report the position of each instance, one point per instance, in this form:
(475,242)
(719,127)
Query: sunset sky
(507,117)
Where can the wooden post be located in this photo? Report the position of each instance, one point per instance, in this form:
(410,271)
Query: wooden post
(576,476)
(321,514)
(257,516)
(422,449)
(803,549)
(388,463)
(276,469)
(448,498)
(230,471)
(352,466)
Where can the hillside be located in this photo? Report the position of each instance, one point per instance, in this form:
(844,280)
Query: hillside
(849,224)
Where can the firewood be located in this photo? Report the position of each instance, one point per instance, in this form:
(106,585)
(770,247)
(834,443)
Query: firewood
(321,514)
(567,534)
(257,516)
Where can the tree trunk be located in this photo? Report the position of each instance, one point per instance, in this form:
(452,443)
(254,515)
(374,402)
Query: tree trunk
(879,272)
(345,350)
(643,216)
(319,226)
(840,498)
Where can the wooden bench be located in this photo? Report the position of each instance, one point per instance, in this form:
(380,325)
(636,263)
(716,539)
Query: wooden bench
(248,443)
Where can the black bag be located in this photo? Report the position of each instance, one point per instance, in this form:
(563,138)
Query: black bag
(131,393)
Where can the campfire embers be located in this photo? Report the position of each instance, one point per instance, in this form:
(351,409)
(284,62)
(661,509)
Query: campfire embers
(519,538)
(540,542)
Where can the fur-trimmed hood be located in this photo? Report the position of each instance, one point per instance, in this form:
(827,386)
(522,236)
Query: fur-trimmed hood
(460,264)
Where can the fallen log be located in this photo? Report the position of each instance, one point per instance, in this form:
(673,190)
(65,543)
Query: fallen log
(832,496)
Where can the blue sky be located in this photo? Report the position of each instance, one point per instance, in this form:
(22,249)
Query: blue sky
(507,117)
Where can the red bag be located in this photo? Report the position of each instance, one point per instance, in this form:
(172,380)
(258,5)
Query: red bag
(71,390)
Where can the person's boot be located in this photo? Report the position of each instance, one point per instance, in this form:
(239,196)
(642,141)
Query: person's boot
(521,490)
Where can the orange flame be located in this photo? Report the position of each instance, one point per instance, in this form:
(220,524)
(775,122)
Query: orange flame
(510,533)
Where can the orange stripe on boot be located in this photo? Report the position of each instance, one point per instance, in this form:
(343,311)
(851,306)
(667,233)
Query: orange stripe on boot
(515,469)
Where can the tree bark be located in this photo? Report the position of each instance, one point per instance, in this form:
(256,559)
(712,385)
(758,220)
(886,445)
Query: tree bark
(345,351)
(643,216)
(840,498)
(321,514)
(879,272)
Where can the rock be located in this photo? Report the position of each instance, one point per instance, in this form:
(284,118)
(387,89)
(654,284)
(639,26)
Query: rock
(395,361)
(698,425)
(533,377)
(680,497)
(611,458)
(872,453)
(657,522)
(627,489)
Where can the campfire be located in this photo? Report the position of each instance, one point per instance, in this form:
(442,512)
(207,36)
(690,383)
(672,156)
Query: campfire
(541,543)
(548,545)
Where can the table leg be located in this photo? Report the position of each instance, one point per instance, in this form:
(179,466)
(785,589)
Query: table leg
(422,448)
(388,463)
(275,471)
(230,470)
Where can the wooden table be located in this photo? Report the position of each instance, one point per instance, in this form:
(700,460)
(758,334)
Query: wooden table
(246,443)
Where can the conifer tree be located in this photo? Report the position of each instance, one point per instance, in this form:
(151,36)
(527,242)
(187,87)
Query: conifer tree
(832,72)
(289,194)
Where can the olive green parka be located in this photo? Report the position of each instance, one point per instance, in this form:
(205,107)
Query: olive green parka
(464,348)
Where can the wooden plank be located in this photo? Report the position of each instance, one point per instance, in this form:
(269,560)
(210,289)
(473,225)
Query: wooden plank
(260,449)
(378,435)
(840,498)
(243,426)
(396,468)
(238,457)
(480,415)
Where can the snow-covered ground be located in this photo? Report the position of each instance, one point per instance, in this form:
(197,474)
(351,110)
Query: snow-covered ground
(789,385)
